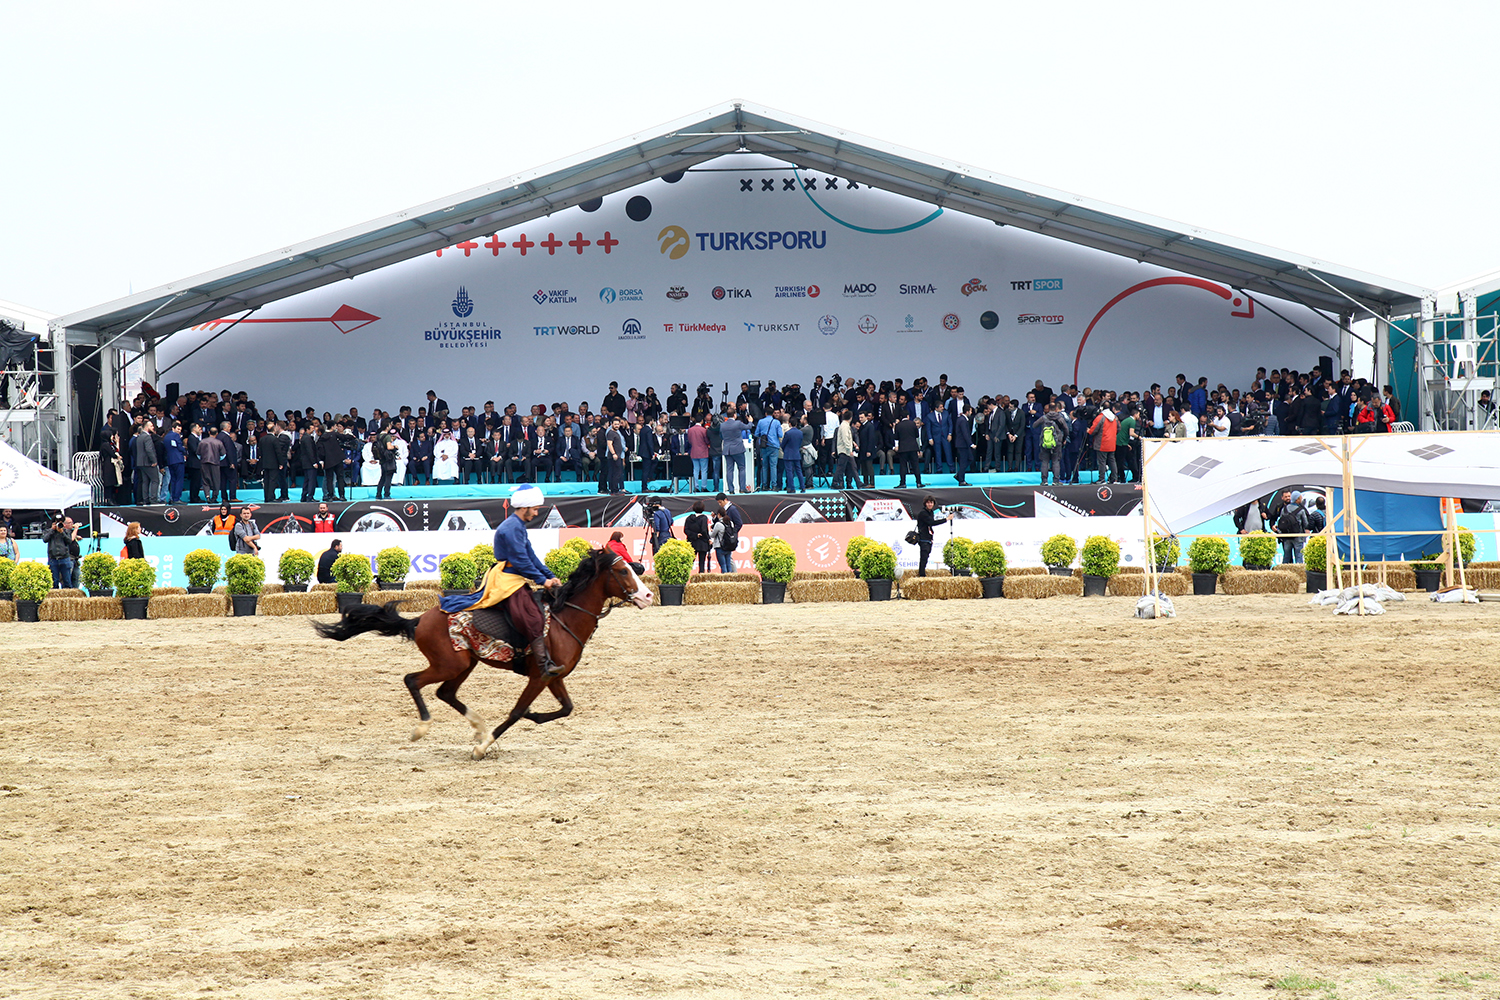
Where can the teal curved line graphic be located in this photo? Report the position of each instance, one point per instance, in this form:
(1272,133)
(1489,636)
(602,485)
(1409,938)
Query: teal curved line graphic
(862,229)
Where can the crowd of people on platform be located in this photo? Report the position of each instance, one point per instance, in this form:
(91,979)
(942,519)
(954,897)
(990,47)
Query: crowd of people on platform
(206,445)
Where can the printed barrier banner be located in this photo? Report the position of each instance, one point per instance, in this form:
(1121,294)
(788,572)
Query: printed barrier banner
(1022,538)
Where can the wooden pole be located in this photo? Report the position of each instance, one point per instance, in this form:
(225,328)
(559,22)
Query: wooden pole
(1351,523)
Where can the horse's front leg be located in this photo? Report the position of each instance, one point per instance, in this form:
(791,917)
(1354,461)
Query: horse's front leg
(561,694)
(534,685)
(447,692)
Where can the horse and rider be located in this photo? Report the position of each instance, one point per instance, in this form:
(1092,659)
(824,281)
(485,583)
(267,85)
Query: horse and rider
(550,635)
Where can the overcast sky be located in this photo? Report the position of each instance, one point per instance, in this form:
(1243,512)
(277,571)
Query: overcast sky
(146,142)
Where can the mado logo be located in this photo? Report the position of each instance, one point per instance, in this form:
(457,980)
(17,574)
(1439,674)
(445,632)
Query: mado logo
(463,306)
(828,325)
(928,289)
(566,331)
(798,291)
(674,242)
(553,297)
(974,285)
(863,290)
(631,330)
(1028,318)
(867,324)
(720,293)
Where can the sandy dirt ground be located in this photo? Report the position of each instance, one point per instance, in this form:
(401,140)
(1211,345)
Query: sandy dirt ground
(986,798)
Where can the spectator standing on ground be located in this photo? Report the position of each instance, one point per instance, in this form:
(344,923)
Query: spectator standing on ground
(732,520)
(246,534)
(927,519)
(696,530)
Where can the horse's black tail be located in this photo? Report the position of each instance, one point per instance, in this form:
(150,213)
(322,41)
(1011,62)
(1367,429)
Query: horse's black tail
(362,618)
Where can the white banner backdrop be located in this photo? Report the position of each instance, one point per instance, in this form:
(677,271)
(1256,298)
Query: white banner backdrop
(1190,480)
(426,548)
(1022,537)
(741,269)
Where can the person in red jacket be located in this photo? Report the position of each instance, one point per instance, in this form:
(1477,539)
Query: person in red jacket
(322,520)
(1104,432)
(616,544)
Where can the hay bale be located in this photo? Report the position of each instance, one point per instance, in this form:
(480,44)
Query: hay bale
(321,602)
(436,585)
(1134,585)
(940,588)
(1479,579)
(1036,586)
(729,592)
(822,574)
(66,592)
(188,606)
(844,588)
(8,611)
(413,602)
(724,578)
(168,591)
(1483,565)
(319,588)
(1027,571)
(932,572)
(81,609)
(272,588)
(1270,581)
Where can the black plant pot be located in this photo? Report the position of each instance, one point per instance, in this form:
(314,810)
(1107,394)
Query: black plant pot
(1429,579)
(962,572)
(451,593)
(1094,586)
(244,604)
(347,601)
(1164,570)
(135,608)
(671,595)
(1060,570)
(103,592)
(1316,581)
(389,585)
(26,610)
(1205,583)
(880,590)
(992,586)
(294,588)
(772,592)
(7,595)
(200,590)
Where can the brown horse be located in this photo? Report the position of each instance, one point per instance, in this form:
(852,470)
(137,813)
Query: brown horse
(577,607)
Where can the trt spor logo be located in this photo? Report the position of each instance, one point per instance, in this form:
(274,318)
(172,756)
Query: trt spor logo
(675,242)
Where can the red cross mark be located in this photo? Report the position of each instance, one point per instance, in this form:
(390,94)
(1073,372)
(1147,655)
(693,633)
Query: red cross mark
(523,244)
(551,243)
(440,251)
(495,244)
(608,243)
(578,243)
(466,246)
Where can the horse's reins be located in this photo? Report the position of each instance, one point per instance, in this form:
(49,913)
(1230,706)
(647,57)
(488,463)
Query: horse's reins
(597,616)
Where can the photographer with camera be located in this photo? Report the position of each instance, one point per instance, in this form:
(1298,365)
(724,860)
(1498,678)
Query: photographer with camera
(927,519)
(61,540)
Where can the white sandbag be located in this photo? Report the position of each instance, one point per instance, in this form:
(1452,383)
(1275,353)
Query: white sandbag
(1369,604)
(1456,595)
(1150,605)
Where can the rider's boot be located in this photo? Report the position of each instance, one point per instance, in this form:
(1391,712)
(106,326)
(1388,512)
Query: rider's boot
(539,650)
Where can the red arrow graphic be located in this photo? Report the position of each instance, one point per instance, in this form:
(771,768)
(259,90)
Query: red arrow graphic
(346,318)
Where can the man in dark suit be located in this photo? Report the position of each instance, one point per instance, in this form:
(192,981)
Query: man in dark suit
(569,449)
(310,459)
(963,444)
(331,444)
(239,421)
(641,442)
(273,460)
(435,407)
(868,447)
(229,465)
(494,458)
(541,454)
(909,450)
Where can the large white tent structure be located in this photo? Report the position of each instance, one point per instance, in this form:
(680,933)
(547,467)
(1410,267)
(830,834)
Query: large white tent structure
(114,334)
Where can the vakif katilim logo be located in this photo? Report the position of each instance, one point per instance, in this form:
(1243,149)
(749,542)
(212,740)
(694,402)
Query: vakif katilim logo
(463,306)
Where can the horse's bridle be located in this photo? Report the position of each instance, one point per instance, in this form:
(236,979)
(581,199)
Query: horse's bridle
(598,617)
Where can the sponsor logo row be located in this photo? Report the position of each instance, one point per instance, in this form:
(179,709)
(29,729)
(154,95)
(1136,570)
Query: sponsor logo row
(851,290)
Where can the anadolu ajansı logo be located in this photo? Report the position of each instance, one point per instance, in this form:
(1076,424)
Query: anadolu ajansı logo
(463,306)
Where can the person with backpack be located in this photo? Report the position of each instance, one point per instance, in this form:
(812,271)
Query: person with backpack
(731,521)
(1291,526)
(1054,439)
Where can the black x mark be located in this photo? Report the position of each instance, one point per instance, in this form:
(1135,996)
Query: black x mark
(747,184)
(767,184)
(830,184)
(811,184)
(788,184)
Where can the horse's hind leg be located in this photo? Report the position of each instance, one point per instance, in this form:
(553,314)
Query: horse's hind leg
(534,685)
(448,670)
(561,694)
(447,693)
(415,682)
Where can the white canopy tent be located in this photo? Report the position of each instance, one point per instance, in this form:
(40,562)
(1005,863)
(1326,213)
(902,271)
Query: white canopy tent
(25,484)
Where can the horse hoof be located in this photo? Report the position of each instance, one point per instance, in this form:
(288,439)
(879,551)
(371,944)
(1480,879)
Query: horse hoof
(480,751)
(420,731)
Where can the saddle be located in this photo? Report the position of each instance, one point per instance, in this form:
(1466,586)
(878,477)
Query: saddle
(491,635)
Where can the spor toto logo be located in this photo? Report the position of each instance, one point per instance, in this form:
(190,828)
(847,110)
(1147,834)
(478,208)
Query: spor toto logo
(950,321)
(867,324)
(828,325)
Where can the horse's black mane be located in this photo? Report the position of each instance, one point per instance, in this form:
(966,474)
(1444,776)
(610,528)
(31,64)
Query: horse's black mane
(599,561)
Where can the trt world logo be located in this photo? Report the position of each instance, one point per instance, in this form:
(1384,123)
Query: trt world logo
(928,289)
(567,331)
(1026,319)
(863,290)
(553,297)
(720,293)
(1037,285)
(609,296)
(463,306)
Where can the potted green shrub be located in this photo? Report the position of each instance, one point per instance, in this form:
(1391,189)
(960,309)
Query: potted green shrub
(1209,557)
(98,574)
(1465,545)
(989,566)
(134,579)
(1058,553)
(202,569)
(562,561)
(853,550)
(6,565)
(483,555)
(1315,559)
(391,566)
(1101,560)
(958,555)
(457,572)
(243,577)
(674,564)
(1429,571)
(877,567)
(1165,550)
(351,571)
(295,568)
(1258,550)
(30,581)
(775,562)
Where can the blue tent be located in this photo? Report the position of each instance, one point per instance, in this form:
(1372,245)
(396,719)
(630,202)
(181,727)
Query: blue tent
(1391,512)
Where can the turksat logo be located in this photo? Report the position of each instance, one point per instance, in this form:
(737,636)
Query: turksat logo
(463,306)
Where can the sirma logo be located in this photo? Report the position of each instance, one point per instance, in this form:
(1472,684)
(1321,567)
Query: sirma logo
(674,242)
(463,306)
